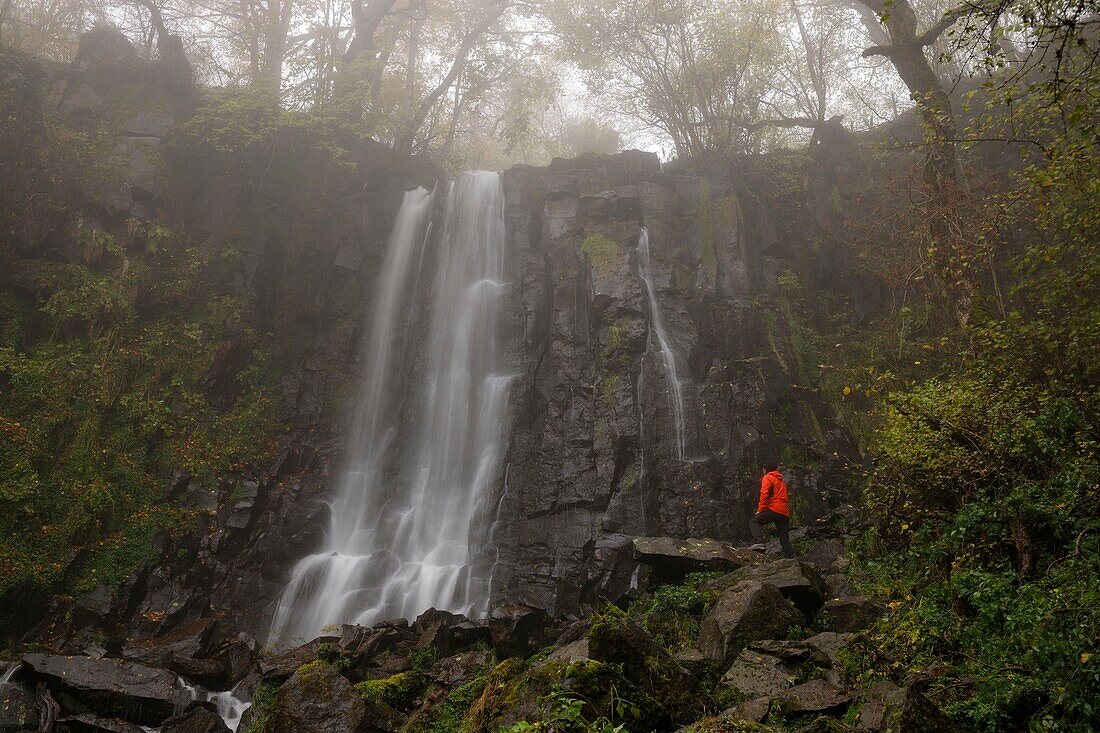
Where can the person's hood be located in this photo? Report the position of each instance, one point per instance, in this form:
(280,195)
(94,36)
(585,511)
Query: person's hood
(776,474)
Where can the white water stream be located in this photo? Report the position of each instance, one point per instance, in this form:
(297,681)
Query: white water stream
(668,357)
(408,515)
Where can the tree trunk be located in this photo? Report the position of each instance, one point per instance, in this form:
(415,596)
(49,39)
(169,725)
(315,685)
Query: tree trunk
(276,28)
(407,139)
(941,171)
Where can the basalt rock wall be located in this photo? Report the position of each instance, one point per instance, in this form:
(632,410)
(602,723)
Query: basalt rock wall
(593,455)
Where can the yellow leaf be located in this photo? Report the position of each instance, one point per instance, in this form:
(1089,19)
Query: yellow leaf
(847,391)
(1085,657)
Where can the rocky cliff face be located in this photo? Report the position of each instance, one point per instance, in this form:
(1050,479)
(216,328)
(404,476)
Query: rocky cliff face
(592,461)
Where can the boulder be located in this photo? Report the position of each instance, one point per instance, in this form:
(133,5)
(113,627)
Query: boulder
(517,630)
(887,708)
(112,688)
(460,668)
(16,706)
(797,581)
(754,710)
(317,699)
(815,696)
(838,584)
(186,641)
(88,723)
(823,554)
(746,612)
(825,725)
(851,613)
(378,717)
(283,665)
(571,652)
(830,643)
(196,720)
(758,675)
(620,643)
(448,632)
(673,559)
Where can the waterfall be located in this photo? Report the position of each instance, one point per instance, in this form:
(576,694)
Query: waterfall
(668,358)
(407,517)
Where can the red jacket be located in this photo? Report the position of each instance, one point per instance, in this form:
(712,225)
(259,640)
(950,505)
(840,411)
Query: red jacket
(773,494)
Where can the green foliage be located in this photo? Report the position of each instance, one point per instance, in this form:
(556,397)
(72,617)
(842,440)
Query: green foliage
(107,396)
(671,615)
(291,162)
(603,254)
(564,714)
(328,653)
(263,701)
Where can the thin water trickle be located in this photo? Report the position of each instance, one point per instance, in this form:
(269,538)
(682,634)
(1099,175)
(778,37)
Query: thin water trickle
(405,516)
(668,357)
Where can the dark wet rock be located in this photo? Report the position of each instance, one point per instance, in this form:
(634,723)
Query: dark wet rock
(448,633)
(362,645)
(672,559)
(186,641)
(754,710)
(317,699)
(111,688)
(815,696)
(823,554)
(758,675)
(237,657)
(283,665)
(838,584)
(88,723)
(795,580)
(745,612)
(572,652)
(850,613)
(826,725)
(790,652)
(830,644)
(196,720)
(16,707)
(888,708)
(460,668)
(517,630)
(378,717)
(619,642)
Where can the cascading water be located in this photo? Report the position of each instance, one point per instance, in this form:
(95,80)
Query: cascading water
(406,517)
(668,357)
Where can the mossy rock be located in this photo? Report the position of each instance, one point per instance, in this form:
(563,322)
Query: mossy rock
(398,691)
(722,724)
(617,640)
(603,254)
(536,694)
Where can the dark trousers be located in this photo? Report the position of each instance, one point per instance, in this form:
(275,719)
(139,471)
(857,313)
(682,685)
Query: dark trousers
(782,528)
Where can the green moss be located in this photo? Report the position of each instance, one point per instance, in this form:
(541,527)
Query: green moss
(106,395)
(398,691)
(608,387)
(259,714)
(603,254)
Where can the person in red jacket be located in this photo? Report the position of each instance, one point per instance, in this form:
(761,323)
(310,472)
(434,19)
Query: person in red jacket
(773,508)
